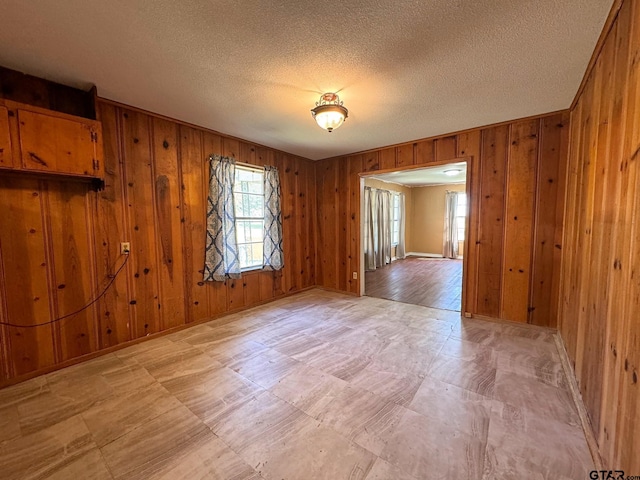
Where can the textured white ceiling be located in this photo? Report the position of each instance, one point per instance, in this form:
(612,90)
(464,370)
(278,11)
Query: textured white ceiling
(426,176)
(253,69)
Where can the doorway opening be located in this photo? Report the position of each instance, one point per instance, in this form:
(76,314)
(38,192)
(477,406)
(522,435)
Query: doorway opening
(414,226)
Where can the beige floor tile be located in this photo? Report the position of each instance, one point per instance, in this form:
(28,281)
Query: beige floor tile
(47,451)
(362,417)
(23,391)
(119,414)
(91,465)
(525,391)
(209,392)
(160,442)
(395,387)
(470,375)
(234,349)
(430,448)
(309,451)
(267,368)
(522,444)
(464,410)
(383,470)
(9,423)
(211,460)
(261,418)
(309,389)
(311,386)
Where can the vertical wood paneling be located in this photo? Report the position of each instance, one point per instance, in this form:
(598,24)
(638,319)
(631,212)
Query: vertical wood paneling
(599,281)
(193,172)
(387,158)
(60,242)
(491,154)
(519,210)
(446,148)
(491,219)
(404,155)
(355,167)
(549,195)
(110,230)
(139,196)
(26,294)
(73,269)
(425,152)
(167,181)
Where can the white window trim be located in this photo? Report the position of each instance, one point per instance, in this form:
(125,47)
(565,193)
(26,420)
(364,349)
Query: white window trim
(248,168)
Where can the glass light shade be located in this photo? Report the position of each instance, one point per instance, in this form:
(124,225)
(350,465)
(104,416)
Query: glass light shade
(329,116)
(452,173)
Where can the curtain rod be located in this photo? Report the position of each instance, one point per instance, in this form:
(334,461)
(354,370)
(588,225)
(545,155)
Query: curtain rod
(242,164)
(383,190)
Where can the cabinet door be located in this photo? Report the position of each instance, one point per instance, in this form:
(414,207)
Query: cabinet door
(6,159)
(57,145)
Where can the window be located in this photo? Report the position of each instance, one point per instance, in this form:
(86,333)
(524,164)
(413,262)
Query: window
(249,205)
(395,219)
(461,214)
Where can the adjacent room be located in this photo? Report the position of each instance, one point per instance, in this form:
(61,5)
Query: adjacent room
(376,240)
(414,239)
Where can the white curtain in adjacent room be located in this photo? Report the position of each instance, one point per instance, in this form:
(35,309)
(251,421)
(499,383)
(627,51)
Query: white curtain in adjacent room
(369,244)
(400,248)
(383,228)
(450,240)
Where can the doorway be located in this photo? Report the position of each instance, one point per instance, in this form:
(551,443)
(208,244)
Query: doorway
(422,214)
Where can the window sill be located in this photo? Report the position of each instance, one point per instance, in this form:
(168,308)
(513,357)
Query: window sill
(251,269)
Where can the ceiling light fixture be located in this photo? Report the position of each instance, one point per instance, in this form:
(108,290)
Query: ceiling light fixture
(329,112)
(452,172)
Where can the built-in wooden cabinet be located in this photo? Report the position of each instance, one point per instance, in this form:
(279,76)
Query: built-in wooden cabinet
(48,142)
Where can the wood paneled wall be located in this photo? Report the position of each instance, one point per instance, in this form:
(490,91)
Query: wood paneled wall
(600,292)
(60,243)
(516,209)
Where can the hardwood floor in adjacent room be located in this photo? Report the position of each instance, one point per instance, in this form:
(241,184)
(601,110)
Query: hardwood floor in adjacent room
(316,386)
(430,282)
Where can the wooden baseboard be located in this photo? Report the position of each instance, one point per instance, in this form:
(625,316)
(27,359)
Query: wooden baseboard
(577,399)
(336,290)
(508,322)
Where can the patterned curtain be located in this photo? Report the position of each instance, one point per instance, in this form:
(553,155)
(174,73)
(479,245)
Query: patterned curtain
(272,248)
(450,240)
(221,258)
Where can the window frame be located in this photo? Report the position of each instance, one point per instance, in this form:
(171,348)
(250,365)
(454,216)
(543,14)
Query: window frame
(461,219)
(238,219)
(395,220)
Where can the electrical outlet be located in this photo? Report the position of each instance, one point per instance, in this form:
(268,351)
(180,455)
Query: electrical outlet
(355,275)
(125,248)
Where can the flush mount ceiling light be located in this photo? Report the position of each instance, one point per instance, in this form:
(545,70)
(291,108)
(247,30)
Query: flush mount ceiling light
(329,112)
(452,172)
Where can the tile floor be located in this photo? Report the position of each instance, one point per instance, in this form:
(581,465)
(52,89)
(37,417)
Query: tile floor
(430,282)
(316,386)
